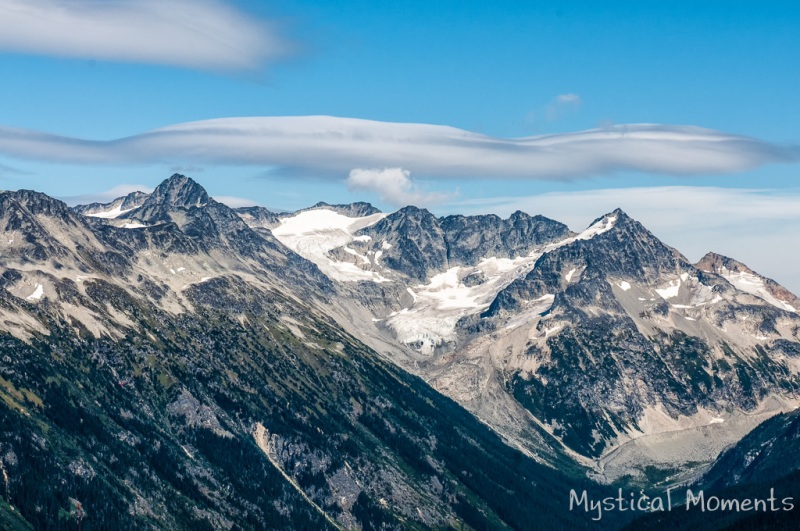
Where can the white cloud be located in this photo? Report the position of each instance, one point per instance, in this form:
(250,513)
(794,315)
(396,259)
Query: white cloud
(202,34)
(554,110)
(329,146)
(394,186)
(560,105)
(235,202)
(568,99)
(757,227)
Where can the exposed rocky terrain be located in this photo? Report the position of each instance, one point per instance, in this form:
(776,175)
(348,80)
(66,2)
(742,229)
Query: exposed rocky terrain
(764,464)
(607,341)
(175,363)
(171,375)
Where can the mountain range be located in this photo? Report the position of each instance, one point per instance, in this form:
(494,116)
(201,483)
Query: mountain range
(170,362)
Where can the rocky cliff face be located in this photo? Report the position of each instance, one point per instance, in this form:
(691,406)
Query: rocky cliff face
(608,340)
(415,243)
(633,327)
(472,238)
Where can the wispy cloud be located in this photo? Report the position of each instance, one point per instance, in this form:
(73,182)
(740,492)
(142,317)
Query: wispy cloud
(568,99)
(561,104)
(754,226)
(554,110)
(235,202)
(10,170)
(187,169)
(394,186)
(332,147)
(200,34)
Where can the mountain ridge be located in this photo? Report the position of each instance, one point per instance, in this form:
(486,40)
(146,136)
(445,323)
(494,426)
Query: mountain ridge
(603,352)
(190,382)
(440,308)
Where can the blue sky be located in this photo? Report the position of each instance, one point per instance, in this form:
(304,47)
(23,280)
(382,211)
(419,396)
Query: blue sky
(94,72)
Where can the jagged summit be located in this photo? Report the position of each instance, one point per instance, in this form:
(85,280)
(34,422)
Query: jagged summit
(178,199)
(112,209)
(34,202)
(520,215)
(178,191)
(616,216)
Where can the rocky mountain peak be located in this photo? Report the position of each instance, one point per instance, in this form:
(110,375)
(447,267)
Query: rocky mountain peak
(120,205)
(178,191)
(35,203)
(716,263)
(414,218)
(748,280)
(134,199)
(616,216)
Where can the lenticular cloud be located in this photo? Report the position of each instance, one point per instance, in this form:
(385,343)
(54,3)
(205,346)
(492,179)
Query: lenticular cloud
(329,146)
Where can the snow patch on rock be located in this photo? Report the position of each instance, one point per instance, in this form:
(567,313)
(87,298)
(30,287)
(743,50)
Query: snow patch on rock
(671,290)
(110,214)
(754,285)
(37,294)
(313,233)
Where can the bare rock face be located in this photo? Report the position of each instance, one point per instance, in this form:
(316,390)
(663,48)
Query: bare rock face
(471,238)
(259,217)
(196,415)
(178,191)
(416,244)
